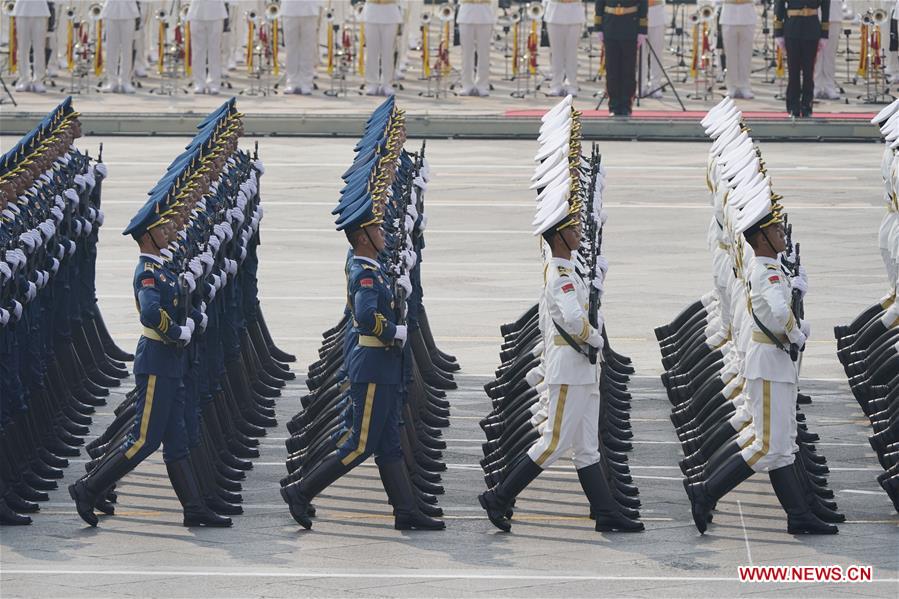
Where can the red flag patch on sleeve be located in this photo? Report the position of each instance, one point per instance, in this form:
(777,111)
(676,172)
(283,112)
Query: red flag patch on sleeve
(567,287)
(774,279)
(369,282)
(148,282)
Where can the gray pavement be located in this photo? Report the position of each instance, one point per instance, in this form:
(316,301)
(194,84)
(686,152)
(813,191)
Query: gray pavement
(482,269)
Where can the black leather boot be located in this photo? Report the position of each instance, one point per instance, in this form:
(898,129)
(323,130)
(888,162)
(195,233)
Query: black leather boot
(496,501)
(398,486)
(196,512)
(602,504)
(790,493)
(703,496)
(89,488)
(299,495)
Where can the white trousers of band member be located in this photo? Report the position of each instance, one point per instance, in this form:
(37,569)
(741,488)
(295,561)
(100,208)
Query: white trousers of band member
(380,44)
(826,67)
(652,74)
(563,40)
(206,52)
(475,39)
(301,42)
(572,424)
(119,45)
(738,50)
(773,408)
(31,32)
(140,41)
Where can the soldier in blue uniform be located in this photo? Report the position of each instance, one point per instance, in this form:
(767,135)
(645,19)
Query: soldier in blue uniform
(158,366)
(374,358)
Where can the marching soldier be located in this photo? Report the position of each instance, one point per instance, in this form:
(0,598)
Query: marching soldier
(301,41)
(622,28)
(826,86)
(564,22)
(801,30)
(476,19)
(119,17)
(375,365)
(158,372)
(206,19)
(738,18)
(381,18)
(31,18)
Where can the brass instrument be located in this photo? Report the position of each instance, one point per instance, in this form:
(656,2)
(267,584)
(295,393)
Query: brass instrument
(94,11)
(272,11)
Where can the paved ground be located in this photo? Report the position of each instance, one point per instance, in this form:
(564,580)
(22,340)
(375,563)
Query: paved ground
(482,270)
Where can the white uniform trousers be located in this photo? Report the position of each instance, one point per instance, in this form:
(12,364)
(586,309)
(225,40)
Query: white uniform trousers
(652,74)
(119,45)
(301,42)
(826,85)
(31,33)
(475,39)
(380,44)
(773,408)
(738,50)
(206,53)
(572,423)
(148,25)
(563,40)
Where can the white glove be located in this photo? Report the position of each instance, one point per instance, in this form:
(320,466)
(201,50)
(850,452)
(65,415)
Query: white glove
(412,211)
(780,43)
(31,293)
(601,36)
(232,266)
(186,333)
(206,259)
(410,258)
(88,227)
(424,223)
(16,311)
(243,254)
(101,218)
(80,181)
(72,195)
(4,317)
(806,329)
(190,324)
(598,283)
(595,339)
(800,284)
(195,266)
(57,214)
(602,264)
(191,282)
(100,169)
(204,320)
(71,248)
(77,227)
(28,240)
(55,266)
(409,223)
(212,289)
(401,333)
(219,232)
(405,283)
(257,164)
(5,271)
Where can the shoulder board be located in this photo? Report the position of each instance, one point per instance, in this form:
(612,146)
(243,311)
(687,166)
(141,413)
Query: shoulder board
(772,267)
(564,271)
(150,265)
(369,267)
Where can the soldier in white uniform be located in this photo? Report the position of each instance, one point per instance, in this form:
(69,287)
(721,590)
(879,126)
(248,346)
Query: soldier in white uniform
(826,86)
(410,37)
(118,17)
(771,379)
(564,23)
(655,34)
(207,20)
(31,34)
(476,19)
(381,18)
(300,19)
(143,29)
(738,18)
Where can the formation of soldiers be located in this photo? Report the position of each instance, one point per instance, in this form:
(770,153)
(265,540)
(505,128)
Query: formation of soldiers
(379,387)
(561,388)
(206,372)
(57,358)
(733,358)
(381,39)
(868,347)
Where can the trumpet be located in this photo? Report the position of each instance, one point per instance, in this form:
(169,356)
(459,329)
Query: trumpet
(425,18)
(516,18)
(93,12)
(706,13)
(535,11)
(252,16)
(70,12)
(272,11)
(8,8)
(446,12)
(160,15)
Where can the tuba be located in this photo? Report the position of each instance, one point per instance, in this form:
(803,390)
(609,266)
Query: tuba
(446,12)
(706,13)
(329,15)
(880,17)
(535,11)
(70,12)
(8,8)
(425,18)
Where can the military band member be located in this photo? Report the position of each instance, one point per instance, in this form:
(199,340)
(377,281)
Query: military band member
(738,20)
(622,28)
(381,18)
(826,86)
(801,30)
(206,19)
(119,17)
(31,18)
(476,19)
(300,19)
(564,23)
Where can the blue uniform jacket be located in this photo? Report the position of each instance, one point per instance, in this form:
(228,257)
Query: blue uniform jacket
(374,358)
(156,293)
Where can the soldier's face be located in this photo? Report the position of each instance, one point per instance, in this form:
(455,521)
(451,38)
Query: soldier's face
(778,237)
(572,236)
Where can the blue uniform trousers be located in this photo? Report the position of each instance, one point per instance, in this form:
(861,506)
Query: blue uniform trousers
(376,425)
(159,419)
